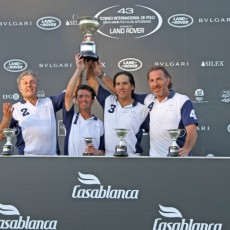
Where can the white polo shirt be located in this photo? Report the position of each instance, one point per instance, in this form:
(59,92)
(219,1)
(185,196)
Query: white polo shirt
(175,112)
(131,117)
(77,128)
(37,125)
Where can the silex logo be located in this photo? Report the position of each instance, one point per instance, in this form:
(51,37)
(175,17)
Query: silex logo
(20,223)
(130,64)
(171,212)
(180,20)
(212,63)
(101,192)
(48,23)
(15,65)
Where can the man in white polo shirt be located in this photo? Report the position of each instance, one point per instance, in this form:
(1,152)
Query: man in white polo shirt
(121,111)
(168,110)
(34,118)
(82,124)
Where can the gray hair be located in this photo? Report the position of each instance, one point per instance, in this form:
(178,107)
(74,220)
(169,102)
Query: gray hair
(25,73)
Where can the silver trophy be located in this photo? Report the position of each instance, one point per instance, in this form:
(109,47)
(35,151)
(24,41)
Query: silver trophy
(8,147)
(88,141)
(89,26)
(174,134)
(121,148)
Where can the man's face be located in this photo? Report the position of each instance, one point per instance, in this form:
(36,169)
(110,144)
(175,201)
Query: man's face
(28,87)
(123,87)
(158,83)
(84,100)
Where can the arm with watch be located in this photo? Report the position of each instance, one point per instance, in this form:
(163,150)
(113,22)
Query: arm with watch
(107,81)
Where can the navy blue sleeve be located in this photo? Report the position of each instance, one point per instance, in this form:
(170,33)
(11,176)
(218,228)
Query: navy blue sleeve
(58,101)
(188,115)
(139,97)
(102,143)
(102,94)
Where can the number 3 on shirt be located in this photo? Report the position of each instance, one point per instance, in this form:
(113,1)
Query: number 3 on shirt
(112,108)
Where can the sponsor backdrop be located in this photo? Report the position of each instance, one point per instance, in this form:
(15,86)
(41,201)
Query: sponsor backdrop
(190,38)
(91,193)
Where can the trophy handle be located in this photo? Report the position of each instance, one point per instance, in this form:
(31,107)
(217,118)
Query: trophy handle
(183,132)
(73,17)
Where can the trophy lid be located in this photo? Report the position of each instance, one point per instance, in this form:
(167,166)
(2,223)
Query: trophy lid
(89,25)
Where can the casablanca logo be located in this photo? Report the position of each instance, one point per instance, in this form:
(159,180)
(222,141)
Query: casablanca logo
(99,191)
(20,223)
(171,212)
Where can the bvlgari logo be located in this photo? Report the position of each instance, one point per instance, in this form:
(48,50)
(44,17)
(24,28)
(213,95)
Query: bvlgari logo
(20,222)
(167,221)
(91,188)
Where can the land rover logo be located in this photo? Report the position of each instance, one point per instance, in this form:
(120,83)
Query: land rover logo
(180,20)
(15,65)
(48,23)
(129,64)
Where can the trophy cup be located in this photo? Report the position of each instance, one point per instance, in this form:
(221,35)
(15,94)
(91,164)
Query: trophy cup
(8,148)
(121,148)
(88,141)
(174,148)
(88,25)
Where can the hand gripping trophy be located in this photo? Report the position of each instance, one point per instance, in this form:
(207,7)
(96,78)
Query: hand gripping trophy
(8,148)
(89,26)
(121,148)
(88,141)
(174,148)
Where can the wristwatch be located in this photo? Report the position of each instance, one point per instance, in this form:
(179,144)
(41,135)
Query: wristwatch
(101,75)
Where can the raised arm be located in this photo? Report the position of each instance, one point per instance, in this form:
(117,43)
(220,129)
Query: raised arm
(107,81)
(91,77)
(74,82)
(7,116)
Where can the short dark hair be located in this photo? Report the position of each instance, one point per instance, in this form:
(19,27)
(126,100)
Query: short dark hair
(86,87)
(164,70)
(129,75)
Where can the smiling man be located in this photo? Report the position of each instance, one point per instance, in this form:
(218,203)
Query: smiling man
(35,118)
(82,124)
(120,111)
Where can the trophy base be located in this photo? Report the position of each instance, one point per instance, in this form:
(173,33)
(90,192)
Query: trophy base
(89,57)
(88,154)
(8,150)
(121,154)
(121,151)
(173,151)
